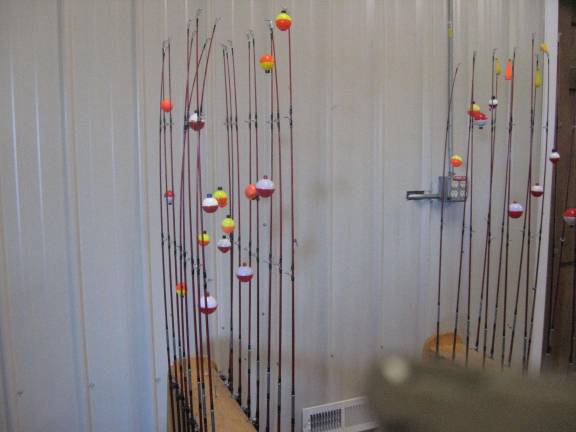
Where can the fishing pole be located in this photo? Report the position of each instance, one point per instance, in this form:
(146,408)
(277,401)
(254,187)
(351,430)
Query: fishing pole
(174,255)
(554,156)
(256,420)
(284,23)
(493,106)
(539,192)
(166,199)
(526,222)
(271,61)
(238,396)
(230,153)
(468,166)
(198,128)
(281,233)
(442,206)
(247,192)
(509,76)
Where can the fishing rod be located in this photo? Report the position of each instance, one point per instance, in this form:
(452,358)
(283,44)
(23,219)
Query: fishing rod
(238,396)
(538,192)
(509,76)
(468,166)
(442,206)
(281,234)
(174,255)
(183,294)
(270,63)
(166,199)
(526,221)
(493,106)
(198,128)
(284,23)
(230,153)
(554,156)
(248,193)
(256,420)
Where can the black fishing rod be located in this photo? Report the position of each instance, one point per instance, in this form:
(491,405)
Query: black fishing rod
(541,225)
(493,105)
(469,149)
(443,197)
(164,201)
(510,76)
(556,288)
(232,194)
(281,235)
(270,241)
(199,105)
(256,420)
(526,222)
(238,194)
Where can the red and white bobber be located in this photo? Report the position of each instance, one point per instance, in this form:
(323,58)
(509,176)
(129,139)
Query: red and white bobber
(251,192)
(244,273)
(554,157)
(537,190)
(570,216)
(196,121)
(479,119)
(209,204)
(265,187)
(224,244)
(208,304)
(493,103)
(515,210)
(169,196)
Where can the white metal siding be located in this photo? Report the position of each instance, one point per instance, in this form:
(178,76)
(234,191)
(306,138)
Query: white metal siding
(80,307)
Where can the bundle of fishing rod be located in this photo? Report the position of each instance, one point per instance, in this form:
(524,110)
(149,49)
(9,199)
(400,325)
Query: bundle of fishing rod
(243,396)
(485,330)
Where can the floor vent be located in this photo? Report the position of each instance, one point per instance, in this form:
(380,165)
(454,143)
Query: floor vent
(351,415)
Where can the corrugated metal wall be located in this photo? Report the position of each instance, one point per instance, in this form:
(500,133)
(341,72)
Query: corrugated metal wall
(81,316)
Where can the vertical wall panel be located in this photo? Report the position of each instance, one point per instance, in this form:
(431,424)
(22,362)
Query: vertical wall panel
(81,302)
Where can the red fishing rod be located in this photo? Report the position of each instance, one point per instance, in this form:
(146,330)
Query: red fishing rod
(469,150)
(526,223)
(166,199)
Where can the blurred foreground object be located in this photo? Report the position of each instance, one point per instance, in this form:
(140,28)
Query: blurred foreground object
(438,396)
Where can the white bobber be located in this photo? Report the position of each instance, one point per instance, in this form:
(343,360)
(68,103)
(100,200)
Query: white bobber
(209,204)
(493,102)
(244,273)
(196,121)
(265,187)
(570,216)
(208,305)
(554,157)
(224,244)
(537,190)
(515,210)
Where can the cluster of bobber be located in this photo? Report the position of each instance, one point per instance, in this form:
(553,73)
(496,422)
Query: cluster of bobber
(479,119)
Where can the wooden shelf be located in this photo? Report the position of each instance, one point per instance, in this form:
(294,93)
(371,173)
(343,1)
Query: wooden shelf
(228,414)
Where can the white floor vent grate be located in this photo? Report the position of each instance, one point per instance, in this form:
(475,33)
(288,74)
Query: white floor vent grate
(351,415)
